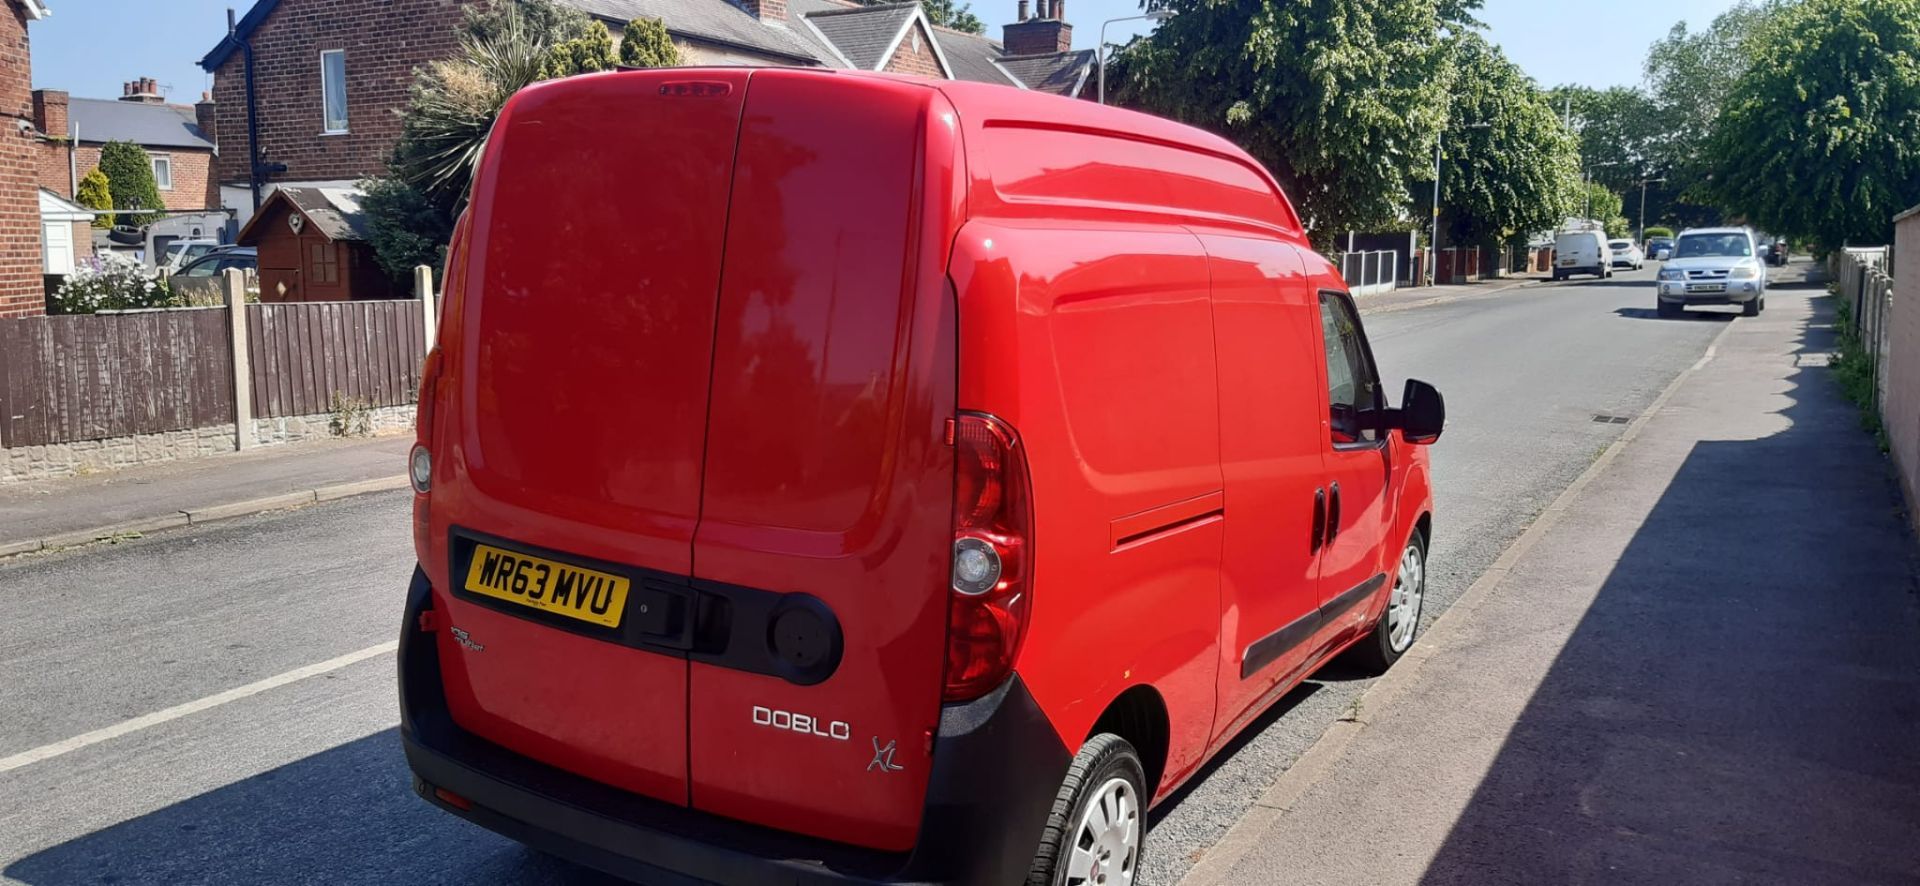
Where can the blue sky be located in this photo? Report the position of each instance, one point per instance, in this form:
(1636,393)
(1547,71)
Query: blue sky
(89,47)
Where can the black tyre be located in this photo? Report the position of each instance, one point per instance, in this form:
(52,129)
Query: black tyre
(1667,309)
(1557,277)
(1099,819)
(1750,309)
(1394,633)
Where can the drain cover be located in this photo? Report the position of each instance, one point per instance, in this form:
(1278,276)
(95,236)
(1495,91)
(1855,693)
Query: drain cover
(1611,419)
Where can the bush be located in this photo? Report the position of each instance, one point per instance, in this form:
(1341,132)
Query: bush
(591,51)
(644,44)
(110,283)
(1659,232)
(96,193)
(129,174)
(405,228)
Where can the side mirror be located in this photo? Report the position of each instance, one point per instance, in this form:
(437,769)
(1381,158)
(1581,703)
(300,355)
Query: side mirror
(1422,414)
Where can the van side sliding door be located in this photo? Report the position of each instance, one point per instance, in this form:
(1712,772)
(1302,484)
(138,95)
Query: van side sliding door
(1266,336)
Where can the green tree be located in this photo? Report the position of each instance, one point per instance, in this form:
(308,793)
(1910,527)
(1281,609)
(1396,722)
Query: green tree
(1689,76)
(1599,203)
(951,14)
(1655,231)
(129,173)
(95,192)
(405,228)
(591,51)
(1509,166)
(644,43)
(552,21)
(1820,140)
(1340,99)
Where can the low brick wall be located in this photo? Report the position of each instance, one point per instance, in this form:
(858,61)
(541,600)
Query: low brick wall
(88,456)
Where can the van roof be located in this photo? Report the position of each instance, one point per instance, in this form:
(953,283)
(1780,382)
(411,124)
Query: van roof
(1725,230)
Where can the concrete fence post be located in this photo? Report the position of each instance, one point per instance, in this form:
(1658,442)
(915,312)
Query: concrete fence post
(235,284)
(423,284)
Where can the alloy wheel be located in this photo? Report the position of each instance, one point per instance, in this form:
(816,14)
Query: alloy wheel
(1106,842)
(1409,592)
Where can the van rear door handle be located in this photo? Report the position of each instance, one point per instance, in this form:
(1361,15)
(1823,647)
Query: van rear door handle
(1333,513)
(1319,520)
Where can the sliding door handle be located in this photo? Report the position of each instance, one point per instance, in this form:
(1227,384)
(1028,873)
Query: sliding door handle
(1319,521)
(1333,513)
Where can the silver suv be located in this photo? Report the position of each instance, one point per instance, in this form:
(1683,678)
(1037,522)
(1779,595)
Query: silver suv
(1713,266)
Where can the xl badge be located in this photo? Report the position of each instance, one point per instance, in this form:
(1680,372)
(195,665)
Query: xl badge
(883,757)
(466,641)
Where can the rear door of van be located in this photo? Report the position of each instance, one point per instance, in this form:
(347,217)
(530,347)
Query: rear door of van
(828,478)
(581,364)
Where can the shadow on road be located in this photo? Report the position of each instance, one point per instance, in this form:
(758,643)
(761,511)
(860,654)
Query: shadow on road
(345,815)
(1691,315)
(1252,731)
(1739,703)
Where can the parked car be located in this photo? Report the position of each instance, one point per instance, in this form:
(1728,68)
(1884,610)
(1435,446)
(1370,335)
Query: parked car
(1625,254)
(211,264)
(1713,266)
(877,578)
(1659,248)
(1581,252)
(179,252)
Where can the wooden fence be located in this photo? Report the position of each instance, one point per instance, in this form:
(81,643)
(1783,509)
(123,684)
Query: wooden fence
(89,377)
(303,354)
(66,379)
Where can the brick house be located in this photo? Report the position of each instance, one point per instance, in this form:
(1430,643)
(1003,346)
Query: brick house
(73,130)
(22,291)
(328,77)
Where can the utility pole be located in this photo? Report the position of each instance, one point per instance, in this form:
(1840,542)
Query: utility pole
(1643,207)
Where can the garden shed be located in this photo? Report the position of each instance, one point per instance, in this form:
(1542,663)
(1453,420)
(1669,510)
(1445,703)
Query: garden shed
(313,247)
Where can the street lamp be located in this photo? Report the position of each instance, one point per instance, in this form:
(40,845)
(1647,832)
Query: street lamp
(1158,15)
(1586,178)
(1433,242)
(1643,206)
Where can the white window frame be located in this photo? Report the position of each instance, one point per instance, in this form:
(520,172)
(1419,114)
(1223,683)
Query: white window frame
(326,125)
(165,184)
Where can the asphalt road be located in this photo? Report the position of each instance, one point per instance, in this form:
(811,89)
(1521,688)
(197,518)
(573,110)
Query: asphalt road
(303,781)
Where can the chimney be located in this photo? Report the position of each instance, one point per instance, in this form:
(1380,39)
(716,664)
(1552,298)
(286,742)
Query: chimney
(1044,34)
(143,90)
(1023,11)
(766,10)
(50,112)
(203,116)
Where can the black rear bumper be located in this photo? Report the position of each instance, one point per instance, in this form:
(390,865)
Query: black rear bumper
(997,764)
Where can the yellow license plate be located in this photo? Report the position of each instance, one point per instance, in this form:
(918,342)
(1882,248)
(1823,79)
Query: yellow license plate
(546,585)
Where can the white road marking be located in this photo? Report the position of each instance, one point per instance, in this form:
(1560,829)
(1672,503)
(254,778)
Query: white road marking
(125,727)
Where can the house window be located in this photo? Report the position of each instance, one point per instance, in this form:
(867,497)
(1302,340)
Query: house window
(333,90)
(163,171)
(323,264)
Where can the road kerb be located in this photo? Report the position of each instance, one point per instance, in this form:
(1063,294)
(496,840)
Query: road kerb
(362,487)
(1218,860)
(250,506)
(201,516)
(117,530)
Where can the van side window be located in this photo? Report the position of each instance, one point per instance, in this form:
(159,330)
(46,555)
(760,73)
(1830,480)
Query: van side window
(1353,390)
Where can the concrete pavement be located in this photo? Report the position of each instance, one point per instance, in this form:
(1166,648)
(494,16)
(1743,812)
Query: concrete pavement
(1701,669)
(56,513)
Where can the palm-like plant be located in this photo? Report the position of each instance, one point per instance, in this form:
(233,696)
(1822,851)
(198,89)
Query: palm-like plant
(453,105)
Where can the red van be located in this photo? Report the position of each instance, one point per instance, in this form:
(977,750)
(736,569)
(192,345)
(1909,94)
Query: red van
(827,477)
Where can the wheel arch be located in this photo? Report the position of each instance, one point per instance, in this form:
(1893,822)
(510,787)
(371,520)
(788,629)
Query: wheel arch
(1139,715)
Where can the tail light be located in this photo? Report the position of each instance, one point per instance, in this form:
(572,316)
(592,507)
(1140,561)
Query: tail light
(420,460)
(990,587)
